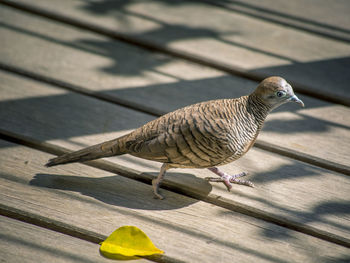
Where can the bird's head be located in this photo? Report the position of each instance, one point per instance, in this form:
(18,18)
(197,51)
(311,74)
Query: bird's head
(275,91)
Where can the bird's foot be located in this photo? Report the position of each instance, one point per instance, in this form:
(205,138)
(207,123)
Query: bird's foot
(227,179)
(155,185)
(156,182)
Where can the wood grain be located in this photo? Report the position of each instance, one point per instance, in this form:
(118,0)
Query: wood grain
(104,52)
(283,185)
(161,84)
(229,38)
(98,201)
(21,242)
(318,19)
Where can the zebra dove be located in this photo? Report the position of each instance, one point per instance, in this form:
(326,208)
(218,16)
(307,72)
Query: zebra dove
(203,135)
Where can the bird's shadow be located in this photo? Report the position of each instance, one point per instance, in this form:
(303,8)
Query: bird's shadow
(120,191)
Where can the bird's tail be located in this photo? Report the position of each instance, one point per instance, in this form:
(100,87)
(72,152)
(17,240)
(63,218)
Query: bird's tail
(105,149)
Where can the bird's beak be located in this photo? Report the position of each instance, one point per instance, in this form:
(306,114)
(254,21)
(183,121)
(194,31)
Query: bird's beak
(295,99)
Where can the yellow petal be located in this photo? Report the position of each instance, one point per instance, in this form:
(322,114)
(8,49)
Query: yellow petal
(128,241)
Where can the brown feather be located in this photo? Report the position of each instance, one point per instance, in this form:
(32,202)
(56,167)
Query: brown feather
(202,135)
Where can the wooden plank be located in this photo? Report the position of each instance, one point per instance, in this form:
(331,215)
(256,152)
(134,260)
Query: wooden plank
(318,12)
(161,84)
(21,242)
(286,189)
(312,16)
(185,228)
(227,38)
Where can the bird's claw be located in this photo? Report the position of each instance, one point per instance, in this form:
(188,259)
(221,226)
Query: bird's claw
(225,181)
(158,196)
(155,186)
(228,179)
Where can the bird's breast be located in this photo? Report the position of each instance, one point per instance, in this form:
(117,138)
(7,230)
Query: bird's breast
(241,138)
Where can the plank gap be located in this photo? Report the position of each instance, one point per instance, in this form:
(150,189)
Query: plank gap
(181,189)
(80,90)
(51,224)
(132,40)
(290,153)
(291,21)
(67,229)
(306,158)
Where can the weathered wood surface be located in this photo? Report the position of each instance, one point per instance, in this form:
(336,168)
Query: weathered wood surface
(197,221)
(185,228)
(312,16)
(225,36)
(21,242)
(286,188)
(161,83)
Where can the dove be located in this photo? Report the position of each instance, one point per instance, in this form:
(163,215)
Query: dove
(203,135)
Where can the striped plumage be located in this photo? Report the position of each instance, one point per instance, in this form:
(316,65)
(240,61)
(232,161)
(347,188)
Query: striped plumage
(199,136)
(203,135)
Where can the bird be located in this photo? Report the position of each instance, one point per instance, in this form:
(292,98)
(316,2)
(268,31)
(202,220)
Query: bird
(203,135)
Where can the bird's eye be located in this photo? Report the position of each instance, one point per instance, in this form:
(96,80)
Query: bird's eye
(280,93)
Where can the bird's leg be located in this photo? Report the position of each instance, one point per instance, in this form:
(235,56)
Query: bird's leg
(228,179)
(156,182)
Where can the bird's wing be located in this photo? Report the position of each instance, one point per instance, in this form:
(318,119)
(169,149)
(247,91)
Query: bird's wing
(186,137)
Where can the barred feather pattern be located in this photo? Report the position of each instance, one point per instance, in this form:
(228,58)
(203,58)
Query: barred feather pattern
(202,135)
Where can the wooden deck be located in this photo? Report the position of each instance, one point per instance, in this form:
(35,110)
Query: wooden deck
(75,73)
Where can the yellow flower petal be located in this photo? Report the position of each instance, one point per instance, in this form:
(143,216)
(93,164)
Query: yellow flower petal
(128,241)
